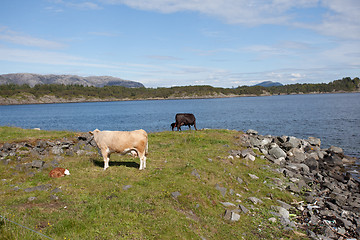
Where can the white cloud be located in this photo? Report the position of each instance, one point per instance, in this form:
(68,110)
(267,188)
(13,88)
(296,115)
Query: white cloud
(347,53)
(25,40)
(164,58)
(340,18)
(60,59)
(232,11)
(71,4)
(84,6)
(37,56)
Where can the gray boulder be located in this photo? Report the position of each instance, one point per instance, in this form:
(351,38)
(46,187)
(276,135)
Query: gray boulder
(37,164)
(312,163)
(297,155)
(314,141)
(294,142)
(336,150)
(255,142)
(252,132)
(277,152)
(57,150)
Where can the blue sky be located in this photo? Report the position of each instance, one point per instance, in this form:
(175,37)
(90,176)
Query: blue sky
(163,43)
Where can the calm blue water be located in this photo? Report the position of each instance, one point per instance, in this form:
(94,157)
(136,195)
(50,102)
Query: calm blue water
(334,118)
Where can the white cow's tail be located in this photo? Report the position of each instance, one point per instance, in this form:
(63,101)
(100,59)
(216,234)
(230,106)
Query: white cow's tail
(147,148)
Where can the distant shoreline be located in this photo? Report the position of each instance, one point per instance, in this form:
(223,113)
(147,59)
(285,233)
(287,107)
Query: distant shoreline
(48,99)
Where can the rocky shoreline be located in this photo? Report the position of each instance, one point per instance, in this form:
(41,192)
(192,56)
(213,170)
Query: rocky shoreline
(331,209)
(331,206)
(47,99)
(24,99)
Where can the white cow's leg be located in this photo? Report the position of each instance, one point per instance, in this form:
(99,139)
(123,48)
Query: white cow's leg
(106,156)
(106,165)
(142,162)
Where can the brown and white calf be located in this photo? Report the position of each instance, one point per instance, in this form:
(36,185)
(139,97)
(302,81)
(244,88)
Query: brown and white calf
(122,142)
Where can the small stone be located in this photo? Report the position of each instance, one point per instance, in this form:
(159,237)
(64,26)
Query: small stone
(37,163)
(228,204)
(273,220)
(250,157)
(235,217)
(255,200)
(56,190)
(239,180)
(253,176)
(195,173)
(231,215)
(175,194)
(31,199)
(243,209)
(221,189)
(54,197)
(126,187)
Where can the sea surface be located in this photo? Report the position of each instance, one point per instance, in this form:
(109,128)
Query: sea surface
(334,118)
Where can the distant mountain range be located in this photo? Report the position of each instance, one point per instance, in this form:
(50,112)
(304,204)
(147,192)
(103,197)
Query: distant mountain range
(96,81)
(269,84)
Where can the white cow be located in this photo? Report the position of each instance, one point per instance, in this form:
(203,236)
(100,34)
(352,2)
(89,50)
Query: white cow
(122,142)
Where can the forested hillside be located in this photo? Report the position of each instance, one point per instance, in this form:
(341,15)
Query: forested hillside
(91,93)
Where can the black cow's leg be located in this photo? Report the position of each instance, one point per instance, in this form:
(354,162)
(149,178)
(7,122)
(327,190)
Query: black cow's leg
(179,126)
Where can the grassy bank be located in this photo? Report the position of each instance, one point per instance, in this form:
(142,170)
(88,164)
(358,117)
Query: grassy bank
(125,203)
(14,134)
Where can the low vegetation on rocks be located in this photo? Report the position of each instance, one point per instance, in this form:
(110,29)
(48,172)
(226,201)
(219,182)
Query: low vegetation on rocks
(208,184)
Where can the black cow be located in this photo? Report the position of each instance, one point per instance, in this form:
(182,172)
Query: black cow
(186,119)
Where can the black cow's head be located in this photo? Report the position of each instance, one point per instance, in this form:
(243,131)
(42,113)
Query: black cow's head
(173,125)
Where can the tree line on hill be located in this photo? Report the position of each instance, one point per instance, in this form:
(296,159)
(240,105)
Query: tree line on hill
(118,92)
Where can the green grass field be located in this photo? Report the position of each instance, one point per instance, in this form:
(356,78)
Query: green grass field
(93,203)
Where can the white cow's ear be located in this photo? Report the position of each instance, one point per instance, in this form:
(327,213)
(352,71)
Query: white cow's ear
(91,132)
